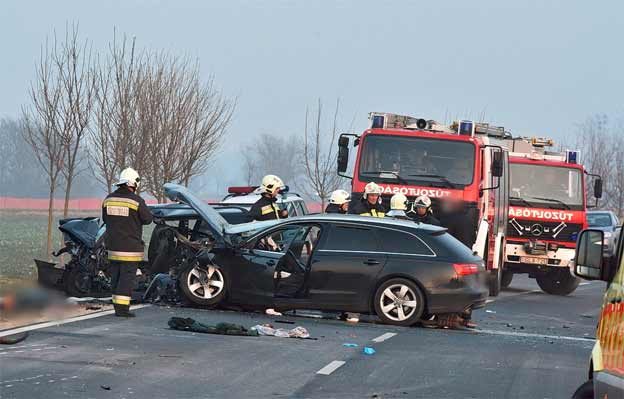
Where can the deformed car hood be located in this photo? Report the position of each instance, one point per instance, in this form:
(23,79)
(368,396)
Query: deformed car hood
(218,226)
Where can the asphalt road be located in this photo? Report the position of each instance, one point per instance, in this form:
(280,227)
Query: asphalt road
(528,345)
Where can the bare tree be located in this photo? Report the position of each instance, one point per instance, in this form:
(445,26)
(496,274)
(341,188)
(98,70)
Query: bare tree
(319,154)
(597,153)
(41,127)
(272,154)
(615,186)
(74,74)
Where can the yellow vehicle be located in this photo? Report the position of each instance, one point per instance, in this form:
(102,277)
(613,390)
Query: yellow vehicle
(606,370)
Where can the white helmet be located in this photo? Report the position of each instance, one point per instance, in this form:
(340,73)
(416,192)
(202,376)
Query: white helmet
(271,184)
(372,188)
(129,177)
(398,202)
(422,201)
(339,197)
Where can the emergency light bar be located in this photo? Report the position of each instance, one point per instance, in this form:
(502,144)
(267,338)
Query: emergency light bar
(542,142)
(241,190)
(485,128)
(384,120)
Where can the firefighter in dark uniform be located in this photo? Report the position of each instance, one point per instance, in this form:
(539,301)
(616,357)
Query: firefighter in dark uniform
(338,202)
(124,213)
(370,205)
(266,207)
(398,206)
(421,211)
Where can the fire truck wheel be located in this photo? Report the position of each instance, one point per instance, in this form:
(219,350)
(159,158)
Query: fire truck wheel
(558,282)
(495,281)
(506,279)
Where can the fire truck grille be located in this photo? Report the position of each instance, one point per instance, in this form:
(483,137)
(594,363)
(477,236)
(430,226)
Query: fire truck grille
(559,231)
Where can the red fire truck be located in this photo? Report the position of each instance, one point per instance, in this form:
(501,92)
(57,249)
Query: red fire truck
(547,211)
(460,167)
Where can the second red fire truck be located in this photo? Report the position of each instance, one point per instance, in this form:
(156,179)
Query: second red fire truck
(547,212)
(461,167)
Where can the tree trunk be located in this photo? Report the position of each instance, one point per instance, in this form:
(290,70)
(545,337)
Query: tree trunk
(50,220)
(67,195)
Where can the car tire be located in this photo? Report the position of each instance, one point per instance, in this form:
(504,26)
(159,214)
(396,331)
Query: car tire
(506,279)
(399,302)
(76,283)
(558,282)
(203,285)
(585,391)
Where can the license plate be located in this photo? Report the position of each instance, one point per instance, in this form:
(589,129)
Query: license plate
(533,260)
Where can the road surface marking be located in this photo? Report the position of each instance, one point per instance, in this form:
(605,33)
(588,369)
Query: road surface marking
(384,337)
(529,335)
(62,321)
(331,367)
(584,284)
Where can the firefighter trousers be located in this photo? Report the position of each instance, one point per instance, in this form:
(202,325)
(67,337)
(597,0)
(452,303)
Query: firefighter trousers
(122,283)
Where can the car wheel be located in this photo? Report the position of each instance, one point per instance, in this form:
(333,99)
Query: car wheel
(558,282)
(76,282)
(204,286)
(400,302)
(506,279)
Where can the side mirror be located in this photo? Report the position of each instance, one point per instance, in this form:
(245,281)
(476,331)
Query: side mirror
(588,258)
(598,188)
(497,164)
(343,154)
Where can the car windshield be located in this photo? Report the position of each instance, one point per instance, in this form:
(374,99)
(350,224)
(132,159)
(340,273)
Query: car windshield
(546,186)
(599,219)
(417,161)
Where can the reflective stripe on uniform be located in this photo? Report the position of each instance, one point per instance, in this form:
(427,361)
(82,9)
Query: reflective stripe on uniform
(121,202)
(374,213)
(121,300)
(266,209)
(125,256)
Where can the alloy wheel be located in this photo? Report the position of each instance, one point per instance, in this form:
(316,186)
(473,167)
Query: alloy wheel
(205,283)
(398,302)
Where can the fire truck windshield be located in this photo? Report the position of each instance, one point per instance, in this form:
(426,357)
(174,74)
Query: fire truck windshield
(544,186)
(417,161)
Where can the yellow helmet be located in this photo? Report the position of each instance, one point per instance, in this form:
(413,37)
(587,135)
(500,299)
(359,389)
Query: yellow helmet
(372,188)
(129,177)
(271,184)
(339,197)
(398,202)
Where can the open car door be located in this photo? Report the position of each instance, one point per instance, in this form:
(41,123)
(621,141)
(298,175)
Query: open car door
(293,269)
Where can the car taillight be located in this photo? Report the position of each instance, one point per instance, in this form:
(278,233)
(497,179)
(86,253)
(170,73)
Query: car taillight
(465,269)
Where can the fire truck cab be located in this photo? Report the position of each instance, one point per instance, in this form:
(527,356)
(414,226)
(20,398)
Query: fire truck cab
(547,212)
(459,167)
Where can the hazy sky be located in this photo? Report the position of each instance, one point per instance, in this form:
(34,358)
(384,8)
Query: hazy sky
(536,67)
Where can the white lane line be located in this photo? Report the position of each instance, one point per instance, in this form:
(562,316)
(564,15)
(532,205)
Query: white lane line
(584,284)
(384,337)
(529,335)
(331,367)
(62,321)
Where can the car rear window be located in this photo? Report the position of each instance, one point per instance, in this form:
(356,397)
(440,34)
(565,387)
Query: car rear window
(346,238)
(445,245)
(403,243)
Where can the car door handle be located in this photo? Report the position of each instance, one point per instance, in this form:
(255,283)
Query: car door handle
(270,263)
(371,262)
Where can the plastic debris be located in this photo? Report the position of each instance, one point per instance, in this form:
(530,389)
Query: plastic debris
(350,345)
(368,350)
(269,330)
(490,311)
(272,312)
(105,387)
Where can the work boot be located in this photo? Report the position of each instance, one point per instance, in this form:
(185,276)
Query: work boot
(123,311)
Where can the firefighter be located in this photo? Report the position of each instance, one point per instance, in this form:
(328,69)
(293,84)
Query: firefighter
(398,206)
(370,205)
(266,208)
(422,212)
(338,202)
(124,213)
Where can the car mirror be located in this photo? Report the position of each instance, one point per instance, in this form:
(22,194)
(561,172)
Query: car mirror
(343,154)
(497,164)
(588,263)
(598,188)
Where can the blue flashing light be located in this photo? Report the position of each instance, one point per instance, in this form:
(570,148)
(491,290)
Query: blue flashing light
(466,128)
(378,122)
(572,157)
(574,236)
